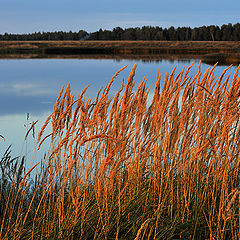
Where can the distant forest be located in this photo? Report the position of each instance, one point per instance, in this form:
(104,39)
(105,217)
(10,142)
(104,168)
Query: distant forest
(227,32)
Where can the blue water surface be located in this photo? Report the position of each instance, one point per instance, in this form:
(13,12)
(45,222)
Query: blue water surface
(32,86)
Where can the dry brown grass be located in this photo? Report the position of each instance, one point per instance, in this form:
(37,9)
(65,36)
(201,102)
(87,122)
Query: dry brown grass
(118,168)
(227,45)
(210,52)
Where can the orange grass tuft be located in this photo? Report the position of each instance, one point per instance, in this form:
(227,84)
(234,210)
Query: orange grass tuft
(126,169)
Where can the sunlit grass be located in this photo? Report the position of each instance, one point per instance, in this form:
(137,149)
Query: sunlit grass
(122,168)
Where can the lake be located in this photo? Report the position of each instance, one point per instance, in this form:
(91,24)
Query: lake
(32,86)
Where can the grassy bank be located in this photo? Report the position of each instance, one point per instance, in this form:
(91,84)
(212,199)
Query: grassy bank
(124,168)
(123,49)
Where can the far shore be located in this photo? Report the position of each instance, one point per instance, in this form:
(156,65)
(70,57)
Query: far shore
(223,52)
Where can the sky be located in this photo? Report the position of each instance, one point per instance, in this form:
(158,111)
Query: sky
(27,16)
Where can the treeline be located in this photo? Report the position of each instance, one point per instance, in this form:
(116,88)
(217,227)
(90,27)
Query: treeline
(45,36)
(227,32)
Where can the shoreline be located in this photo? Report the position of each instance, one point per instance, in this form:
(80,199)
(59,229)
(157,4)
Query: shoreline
(210,52)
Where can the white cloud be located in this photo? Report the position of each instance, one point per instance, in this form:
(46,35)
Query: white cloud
(23,86)
(135,22)
(26,89)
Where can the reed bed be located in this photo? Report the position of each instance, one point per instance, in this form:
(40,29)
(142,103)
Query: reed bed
(121,168)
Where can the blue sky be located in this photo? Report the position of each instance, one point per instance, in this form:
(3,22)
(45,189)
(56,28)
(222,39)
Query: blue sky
(25,16)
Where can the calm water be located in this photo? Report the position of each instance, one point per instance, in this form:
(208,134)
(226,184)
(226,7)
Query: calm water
(32,85)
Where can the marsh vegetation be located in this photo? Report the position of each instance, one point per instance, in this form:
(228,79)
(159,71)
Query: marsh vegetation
(131,167)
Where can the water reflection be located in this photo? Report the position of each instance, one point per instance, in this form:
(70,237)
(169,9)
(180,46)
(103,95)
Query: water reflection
(224,59)
(32,85)
(14,128)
